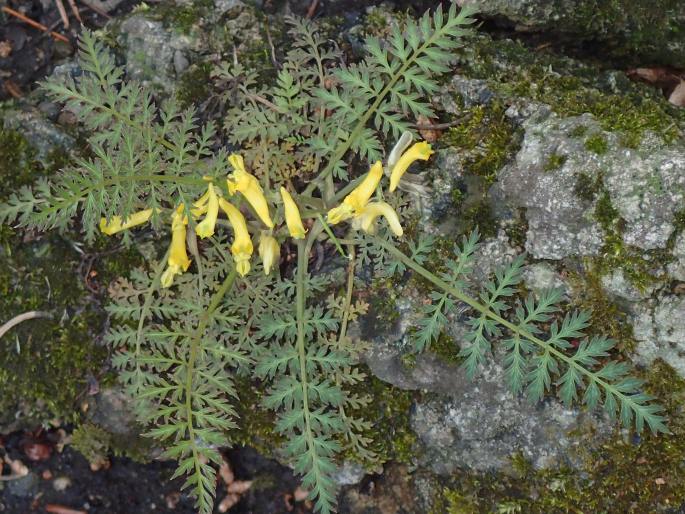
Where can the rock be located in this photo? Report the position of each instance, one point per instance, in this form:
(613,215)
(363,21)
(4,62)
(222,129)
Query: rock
(635,30)
(111,409)
(40,133)
(647,188)
(24,487)
(541,277)
(181,62)
(150,50)
(617,285)
(60,484)
(659,328)
(560,223)
(349,473)
(477,424)
(677,268)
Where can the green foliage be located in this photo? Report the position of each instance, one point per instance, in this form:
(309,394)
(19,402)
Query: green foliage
(178,351)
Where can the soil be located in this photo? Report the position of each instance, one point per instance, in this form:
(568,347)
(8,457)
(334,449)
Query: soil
(129,487)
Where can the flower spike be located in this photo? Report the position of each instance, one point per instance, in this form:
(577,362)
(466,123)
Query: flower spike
(242,248)
(116,224)
(292,215)
(269,251)
(178,260)
(242,181)
(418,151)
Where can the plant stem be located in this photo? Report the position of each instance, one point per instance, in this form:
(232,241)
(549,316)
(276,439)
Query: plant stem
(302,261)
(190,367)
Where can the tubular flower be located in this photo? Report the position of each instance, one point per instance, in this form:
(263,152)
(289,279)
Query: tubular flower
(292,216)
(418,151)
(354,203)
(242,244)
(240,180)
(210,205)
(269,251)
(367,219)
(178,261)
(117,225)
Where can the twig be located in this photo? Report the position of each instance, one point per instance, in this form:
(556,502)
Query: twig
(22,317)
(312,9)
(276,64)
(62,13)
(74,9)
(34,24)
(58,509)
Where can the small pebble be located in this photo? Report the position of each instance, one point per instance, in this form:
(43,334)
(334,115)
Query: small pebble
(61,483)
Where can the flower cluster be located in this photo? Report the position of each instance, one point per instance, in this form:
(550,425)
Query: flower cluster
(209,205)
(356,206)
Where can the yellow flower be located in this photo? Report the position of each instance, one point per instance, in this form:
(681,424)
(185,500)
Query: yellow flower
(367,219)
(115,224)
(356,206)
(292,216)
(269,251)
(178,261)
(210,205)
(241,249)
(418,151)
(240,180)
(354,203)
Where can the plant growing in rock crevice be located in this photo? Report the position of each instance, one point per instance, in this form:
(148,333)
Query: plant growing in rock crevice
(205,314)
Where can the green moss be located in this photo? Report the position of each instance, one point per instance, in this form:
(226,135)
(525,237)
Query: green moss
(18,162)
(92,441)
(578,131)
(48,362)
(605,213)
(607,318)
(587,187)
(487,135)
(555,162)
(481,217)
(389,411)
(572,89)
(194,85)
(185,17)
(256,424)
(597,143)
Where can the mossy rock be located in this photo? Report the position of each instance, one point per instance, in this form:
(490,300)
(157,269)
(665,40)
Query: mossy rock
(634,31)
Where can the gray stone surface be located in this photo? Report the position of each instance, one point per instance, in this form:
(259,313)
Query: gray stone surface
(41,133)
(477,424)
(659,327)
(677,268)
(150,49)
(560,224)
(540,277)
(647,187)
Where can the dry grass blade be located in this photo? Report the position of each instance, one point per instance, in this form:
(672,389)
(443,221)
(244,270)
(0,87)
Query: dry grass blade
(62,13)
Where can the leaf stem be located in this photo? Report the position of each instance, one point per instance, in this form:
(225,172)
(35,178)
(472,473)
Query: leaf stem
(484,310)
(190,367)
